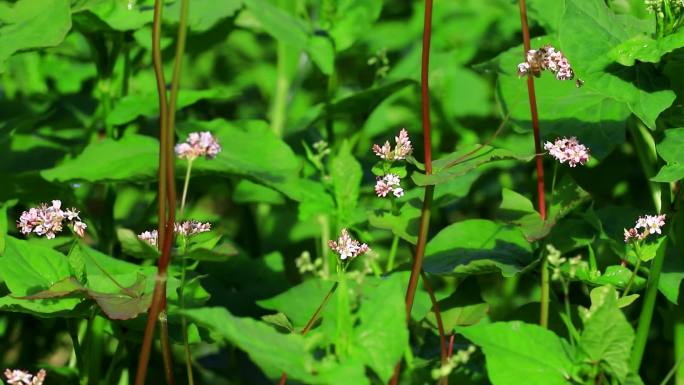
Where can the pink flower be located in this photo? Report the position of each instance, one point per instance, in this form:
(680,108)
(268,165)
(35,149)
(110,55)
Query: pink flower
(198,144)
(388,183)
(402,149)
(186,228)
(651,224)
(347,247)
(568,150)
(25,378)
(546,58)
(48,220)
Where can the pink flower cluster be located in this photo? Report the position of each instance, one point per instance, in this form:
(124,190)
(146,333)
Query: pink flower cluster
(22,377)
(198,144)
(347,247)
(546,58)
(388,183)
(48,220)
(568,150)
(402,149)
(186,228)
(650,224)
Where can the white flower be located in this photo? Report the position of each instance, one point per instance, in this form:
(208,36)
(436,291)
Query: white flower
(402,149)
(651,224)
(192,227)
(347,247)
(382,188)
(24,378)
(48,220)
(388,183)
(149,237)
(568,150)
(546,58)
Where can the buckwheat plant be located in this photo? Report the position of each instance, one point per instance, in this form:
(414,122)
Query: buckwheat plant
(197,144)
(21,377)
(568,150)
(48,220)
(669,15)
(388,176)
(186,229)
(636,236)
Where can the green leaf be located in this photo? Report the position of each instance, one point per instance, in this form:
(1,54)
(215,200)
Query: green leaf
(300,302)
(643,94)
(671,149)
(278,23)
(3,222)
(132,106)
(646,49)
(463,161)
(321,51)
(615,275)
(28,268)
(516,350)
(135,247)
(204,14)
(607,336)
(31,24)
(112,14)
(382,336)
(478,246)
(279,320)
(346,175)
(466,315)
(404,225)
(352,20)
(247,191)
(517,209)
(274,352)
(131,158)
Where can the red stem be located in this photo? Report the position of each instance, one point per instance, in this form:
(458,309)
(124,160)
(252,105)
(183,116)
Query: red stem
(451,346)
(440,325)
(429,190)
(541,198)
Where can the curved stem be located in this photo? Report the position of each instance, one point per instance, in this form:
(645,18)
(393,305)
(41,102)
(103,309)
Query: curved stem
(392,253)
(440,326)
(633,276)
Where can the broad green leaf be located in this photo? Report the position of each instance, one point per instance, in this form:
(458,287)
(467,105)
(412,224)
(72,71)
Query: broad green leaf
(639,88)
(346,175)
(300,302)
(26,269)
(672,151)
(466,315)
(516,350)
(247,191)
(648,249)
(3,222)
(607,336)
(134,105)
(278,23)
(203,14)
(615,275)
(405,225)
(567,196)
(321,51)
(352,20)
(646,49)
(135,247)
(381,337)
(362,103)
(112,14)
(31,24)
(517,209)
(273,351)
(478,246)
(131,158)
(279,320)
(463,161)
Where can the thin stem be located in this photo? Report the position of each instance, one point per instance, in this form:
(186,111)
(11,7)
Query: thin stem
(535,116)
(672,371)
(184,320)
(73,333)
(545,290)
(430,189)
(568,310)
(312,321)
(392,253)
(186,183)
(165,345)
(440,326)
(553,182)
(450,351)
(633,276)
(478,148)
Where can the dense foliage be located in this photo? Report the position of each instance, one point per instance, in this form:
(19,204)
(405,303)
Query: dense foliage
(309,183)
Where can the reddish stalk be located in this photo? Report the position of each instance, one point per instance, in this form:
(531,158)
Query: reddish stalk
(541,198)
(451,346)
(417,267)
(312,321)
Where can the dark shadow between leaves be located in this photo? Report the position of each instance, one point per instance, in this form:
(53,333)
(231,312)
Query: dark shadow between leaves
(506,257)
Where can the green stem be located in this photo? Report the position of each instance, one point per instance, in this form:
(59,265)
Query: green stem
(646,315)
(634,272)
(165,343)
(186,183)
(568,311)
(95,348)
(553,182)
(648,158)
(679,343)
(184,321)
(72,326)
(325,237)
(114,362)
(545,290)
(344,321)
(392,253)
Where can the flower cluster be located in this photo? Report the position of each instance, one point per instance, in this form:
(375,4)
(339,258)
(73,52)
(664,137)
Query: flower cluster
(648,224)
(198,144)
(186,229)
(401,150)
(556,261)
(22,377)
(388,183)
(48,220)
(568,150)
(347,247)
(546,58)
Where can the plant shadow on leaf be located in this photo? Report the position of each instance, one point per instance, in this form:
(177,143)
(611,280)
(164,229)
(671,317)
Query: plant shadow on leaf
(480,261)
